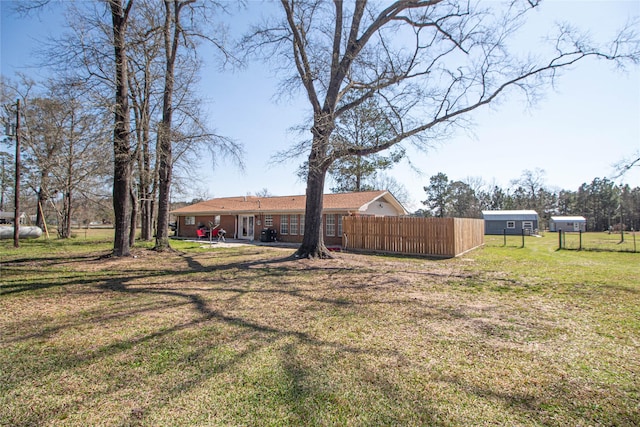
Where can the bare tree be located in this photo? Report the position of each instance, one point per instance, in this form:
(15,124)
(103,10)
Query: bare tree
(264,193)
(172,33)
(626,164)
(389,183)
(191,131)
(532,184)
(122,161)
(145,75)
(80,164)
(108,74)
(427,64)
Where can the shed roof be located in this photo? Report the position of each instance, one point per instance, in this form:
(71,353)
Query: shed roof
(11,215)
(510,215)
(340,202)
(569,218)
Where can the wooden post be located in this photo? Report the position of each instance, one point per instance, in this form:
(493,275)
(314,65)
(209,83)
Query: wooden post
(504,234)
(580,247)
(16,219)
(559,239)
(44,220)
(522,238)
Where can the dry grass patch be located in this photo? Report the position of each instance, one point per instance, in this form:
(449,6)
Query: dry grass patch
(250,336)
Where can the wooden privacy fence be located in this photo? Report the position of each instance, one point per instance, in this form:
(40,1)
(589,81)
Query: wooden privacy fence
(442,237)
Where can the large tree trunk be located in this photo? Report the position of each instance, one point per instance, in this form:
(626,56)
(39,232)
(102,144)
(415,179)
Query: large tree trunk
(146,194)
(134,216)
(164,152)
(313,242)
(165,156)
(65,231)
(121,144)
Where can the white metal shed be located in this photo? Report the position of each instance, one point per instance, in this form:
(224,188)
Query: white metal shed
(568,223)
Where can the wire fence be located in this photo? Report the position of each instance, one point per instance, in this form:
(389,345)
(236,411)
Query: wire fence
(606,242)
(572,241)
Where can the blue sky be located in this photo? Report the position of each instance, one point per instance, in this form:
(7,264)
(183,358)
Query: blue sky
(588,122)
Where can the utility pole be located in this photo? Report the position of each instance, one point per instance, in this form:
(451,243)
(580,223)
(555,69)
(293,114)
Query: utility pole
(2,178)
(16,218)
(621,224)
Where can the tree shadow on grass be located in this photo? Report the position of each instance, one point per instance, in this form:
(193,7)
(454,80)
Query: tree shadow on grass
(169,298)
(227,339)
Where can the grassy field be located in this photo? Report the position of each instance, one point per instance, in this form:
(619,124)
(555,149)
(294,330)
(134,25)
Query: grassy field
(247,336)
(609,242)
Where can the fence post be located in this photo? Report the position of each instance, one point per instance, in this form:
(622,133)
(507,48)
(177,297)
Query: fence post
(580,247)
(559,239)
(523,237)
(504,235)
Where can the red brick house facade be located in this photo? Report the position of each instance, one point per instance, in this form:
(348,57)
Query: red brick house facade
(246,217)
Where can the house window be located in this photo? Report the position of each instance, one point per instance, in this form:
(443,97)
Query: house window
(293,224)
(268,220)
(216,220)
(511,224)
(330,222)
(302,224)
(284,224)
(339,225)
(189,220)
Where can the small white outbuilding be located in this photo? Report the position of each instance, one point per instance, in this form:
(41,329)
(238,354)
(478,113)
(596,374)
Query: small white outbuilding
(568,223)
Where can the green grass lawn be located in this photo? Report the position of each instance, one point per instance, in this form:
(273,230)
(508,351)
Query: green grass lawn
(248,336)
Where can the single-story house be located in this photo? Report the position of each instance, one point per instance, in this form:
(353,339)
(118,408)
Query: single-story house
(8,217)
(248,217)
(568,223)
(510,221)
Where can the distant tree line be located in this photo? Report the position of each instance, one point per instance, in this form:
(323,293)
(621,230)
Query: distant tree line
(602,202)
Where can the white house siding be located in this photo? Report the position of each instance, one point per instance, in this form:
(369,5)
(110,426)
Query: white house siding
(380,208)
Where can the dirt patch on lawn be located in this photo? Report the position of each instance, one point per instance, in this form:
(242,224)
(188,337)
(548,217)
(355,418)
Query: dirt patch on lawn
(268,258)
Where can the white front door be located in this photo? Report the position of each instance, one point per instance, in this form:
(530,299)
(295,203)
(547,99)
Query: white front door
(245,227)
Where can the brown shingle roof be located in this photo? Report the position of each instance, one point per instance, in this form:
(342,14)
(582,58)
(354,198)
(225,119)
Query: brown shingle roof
(232,205)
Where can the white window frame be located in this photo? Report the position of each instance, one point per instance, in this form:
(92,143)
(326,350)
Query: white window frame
(302,224)
(511,224)
(527,225)
(339,225)
(293,224)
(284,224)
(330,225)
(189,220)
(268,220)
